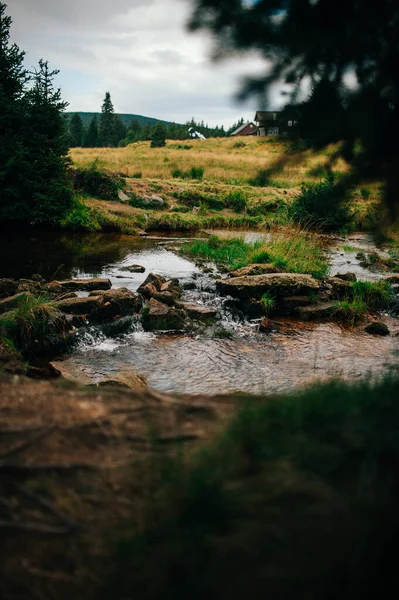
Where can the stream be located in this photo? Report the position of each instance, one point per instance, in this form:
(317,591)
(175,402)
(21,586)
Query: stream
(246,360)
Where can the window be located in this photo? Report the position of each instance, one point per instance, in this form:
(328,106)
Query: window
(272,131)
(274,116)
(289,123)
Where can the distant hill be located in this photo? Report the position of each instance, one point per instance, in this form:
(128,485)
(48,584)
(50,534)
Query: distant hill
(126,118)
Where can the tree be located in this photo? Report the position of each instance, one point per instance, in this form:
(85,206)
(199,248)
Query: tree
(13,78)
(119,130)
(106,128)
(76,130)
(46,193)
(158,136)
(34,178)
(91,135)
(325,40)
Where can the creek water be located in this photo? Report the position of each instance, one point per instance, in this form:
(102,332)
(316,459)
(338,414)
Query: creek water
(201,362)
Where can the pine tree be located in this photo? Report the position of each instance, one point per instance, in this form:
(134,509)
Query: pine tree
(119,130)
(106,128)
(76,130)
(13,78)
(158,136)
(47,192)
(91,136)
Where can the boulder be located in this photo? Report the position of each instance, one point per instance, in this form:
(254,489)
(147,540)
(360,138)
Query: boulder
(134,269)
(172,286)
(290,304)
(255,269)
(152,200)
(67,370)
(123,301)
(340,289)
(377,328)
(347,277)
(86,285)
(152,281)
(281,285)
(316,312)
(122,196)
(125,379)
(267,326)
(80,306)
(198,312)
(117,327)
(160,317)
(27,285)
(12,301)
(8,287)
(166,298)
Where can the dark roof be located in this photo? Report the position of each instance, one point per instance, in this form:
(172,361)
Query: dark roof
(241,127)
(262,115)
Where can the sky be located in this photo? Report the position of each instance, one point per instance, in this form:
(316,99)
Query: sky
(138,50)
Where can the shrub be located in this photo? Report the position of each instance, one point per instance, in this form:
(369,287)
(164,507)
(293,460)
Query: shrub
(137,175)
(177,174)
(239,144)
(320,205)
(97,182)
(195,173)
(365,193)
(236,201)
(81,218)
(261,179)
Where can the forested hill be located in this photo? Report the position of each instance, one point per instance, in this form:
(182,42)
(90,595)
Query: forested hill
(126,118)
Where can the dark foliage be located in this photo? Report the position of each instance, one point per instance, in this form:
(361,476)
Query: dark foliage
(158,136)
(97,182)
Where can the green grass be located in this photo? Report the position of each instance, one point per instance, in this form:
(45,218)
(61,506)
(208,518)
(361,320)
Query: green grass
(268,302)
(349,248)
(297,499)
(295,252)
(33,325)
(375,294)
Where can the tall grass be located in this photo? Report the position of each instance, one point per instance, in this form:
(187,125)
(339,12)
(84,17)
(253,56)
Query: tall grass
(297,499)
(292,252)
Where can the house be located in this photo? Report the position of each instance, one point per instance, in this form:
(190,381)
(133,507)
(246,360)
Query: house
(283,122)
(245,129)
(195,135)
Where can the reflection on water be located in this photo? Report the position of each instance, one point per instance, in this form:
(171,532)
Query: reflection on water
(249,361)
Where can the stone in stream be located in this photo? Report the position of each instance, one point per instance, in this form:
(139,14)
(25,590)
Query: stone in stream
(67,370)
(151,285)
(80,306)
(280,284)
(117,327)
(290,304)
(316,312)
(166,298)
(125,379)
(377,328)
(198,312)
(340,289)
(118,301)
(347,276)
(134,269)
(255,269)
(86,285)
(394,279)
(160,317)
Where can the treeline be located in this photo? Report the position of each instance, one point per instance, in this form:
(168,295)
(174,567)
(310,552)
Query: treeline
(35,185)
(109,130)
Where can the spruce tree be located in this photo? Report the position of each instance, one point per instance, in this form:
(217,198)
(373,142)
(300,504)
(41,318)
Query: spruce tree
(91,135)
(106,128)
(13,78)
(76,131)
(119,130)
(158,136)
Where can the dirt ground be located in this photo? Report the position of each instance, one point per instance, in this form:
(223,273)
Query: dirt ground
(75,468)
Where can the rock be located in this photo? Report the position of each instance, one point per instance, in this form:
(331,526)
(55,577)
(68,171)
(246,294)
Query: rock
(346,276)
(172,286)
(166,298)
(120,301)
(377,328)
(27,285)
(290,304)
(8,287)
(13,301)
(125,379)
(122,196)
(134,269)
(117,327)
(80,306)
(281,284)
(267,326)
(394,279)
(159,317)
(86,285)
(155,280)
(198,312)
(340,289)
(316,312)
(189,285)
(153,199)
(255,269)
(70,372)
(394,306)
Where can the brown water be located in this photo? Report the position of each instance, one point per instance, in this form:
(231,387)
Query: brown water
(198,363)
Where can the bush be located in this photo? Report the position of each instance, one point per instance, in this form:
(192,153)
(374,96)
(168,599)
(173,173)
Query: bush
(137,175)
(320,206)
(239,144)
(97,182)
(193,173)
(261,179)
(236,201)
(81,218)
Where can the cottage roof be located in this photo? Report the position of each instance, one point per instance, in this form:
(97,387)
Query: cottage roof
(241,128)
(264,115)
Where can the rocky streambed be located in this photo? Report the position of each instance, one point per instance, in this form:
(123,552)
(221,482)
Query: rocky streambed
(151,316)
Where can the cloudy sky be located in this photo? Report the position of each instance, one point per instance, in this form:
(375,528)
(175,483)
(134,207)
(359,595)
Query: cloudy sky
(139,50)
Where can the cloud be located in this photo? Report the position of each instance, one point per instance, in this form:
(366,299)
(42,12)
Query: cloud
(139,50)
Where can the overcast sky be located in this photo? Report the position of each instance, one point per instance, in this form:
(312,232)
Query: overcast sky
(139,51)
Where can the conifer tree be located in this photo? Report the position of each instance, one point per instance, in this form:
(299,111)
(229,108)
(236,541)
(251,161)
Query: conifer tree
(106,128)
(119,130)
(91,135)
(76,130)
(158,136)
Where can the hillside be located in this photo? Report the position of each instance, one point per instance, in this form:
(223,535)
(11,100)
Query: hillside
(126,118)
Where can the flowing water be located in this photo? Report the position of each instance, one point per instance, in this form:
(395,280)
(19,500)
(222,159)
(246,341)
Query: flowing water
(247,360)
